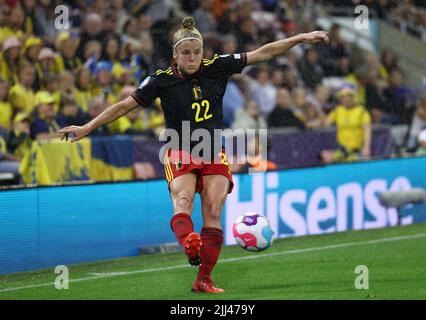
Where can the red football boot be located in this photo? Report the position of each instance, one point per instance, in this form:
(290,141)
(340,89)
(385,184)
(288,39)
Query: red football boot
(206,285)
(192,246)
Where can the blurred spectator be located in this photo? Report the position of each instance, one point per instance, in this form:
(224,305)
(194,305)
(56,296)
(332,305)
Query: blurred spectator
(139,7)
(6,111)
(396,103)
(291,10)
(103,84)
(67,44)
(67,83)
(337,46)
(310,69)
(130,30)
(91,30)
(97,6)
(233,99)
(374,66)
(129,70)
(111,49)
(353,125)
(227,23)
(92,54)
(31,49)
(122,76)
(45,11)
(249,117)
(121,125)
(144,22)
(283,115)
(410,18)
(141,60)
(313,116)
(300,100)
(421,151)
(219,8)
(44,125)
(8,162)
(9,59)
(189,5)
(229,44)
(246,35)
(69,112)
(21,95)
(204,18)
(388,63)
(322,98)
(290,80)
(96,107)
(134,124)
(32,23)
(277,77)
(47,63)
(418,122)
(359,80)
(117,6)
(110,25)
(368,92)
(257,157)
(12,24)
(18,140)
(341,67)
(52,83)
(161,10)
(263,91)
(82,92)
(333,51)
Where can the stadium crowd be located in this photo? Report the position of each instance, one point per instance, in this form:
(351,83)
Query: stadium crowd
(52,77)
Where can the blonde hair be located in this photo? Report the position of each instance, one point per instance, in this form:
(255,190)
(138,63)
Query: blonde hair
(187,32)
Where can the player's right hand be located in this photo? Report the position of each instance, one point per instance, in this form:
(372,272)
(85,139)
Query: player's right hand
(73,133)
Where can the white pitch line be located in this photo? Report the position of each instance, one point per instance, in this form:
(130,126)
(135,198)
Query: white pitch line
(116,274)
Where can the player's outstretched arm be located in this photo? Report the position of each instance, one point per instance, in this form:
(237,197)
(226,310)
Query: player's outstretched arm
(271,50)
(111,114)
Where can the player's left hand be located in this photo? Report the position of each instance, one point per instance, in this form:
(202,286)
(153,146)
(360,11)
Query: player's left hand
(316,37)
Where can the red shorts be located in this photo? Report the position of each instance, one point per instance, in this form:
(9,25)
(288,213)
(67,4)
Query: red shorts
(174,167)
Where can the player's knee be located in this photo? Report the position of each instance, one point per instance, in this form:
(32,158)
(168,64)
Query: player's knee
(184,200)
(214,208)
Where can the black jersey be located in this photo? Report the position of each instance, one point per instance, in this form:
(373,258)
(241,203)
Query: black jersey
(196,98)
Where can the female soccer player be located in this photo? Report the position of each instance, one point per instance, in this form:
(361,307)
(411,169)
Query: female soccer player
(191,90)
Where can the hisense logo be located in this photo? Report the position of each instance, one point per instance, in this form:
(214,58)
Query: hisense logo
(297,212)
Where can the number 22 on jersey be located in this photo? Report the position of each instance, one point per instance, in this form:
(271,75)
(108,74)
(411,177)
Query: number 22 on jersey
(202,110)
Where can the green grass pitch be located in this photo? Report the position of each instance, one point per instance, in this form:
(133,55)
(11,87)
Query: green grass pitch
(312,267)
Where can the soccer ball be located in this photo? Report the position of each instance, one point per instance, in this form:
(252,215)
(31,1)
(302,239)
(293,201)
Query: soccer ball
(252,232)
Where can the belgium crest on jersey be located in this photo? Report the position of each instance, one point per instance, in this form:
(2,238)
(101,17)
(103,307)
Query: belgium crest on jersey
(196,90)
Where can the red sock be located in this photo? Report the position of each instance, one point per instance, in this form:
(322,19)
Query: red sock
(212,243)
(182,225)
